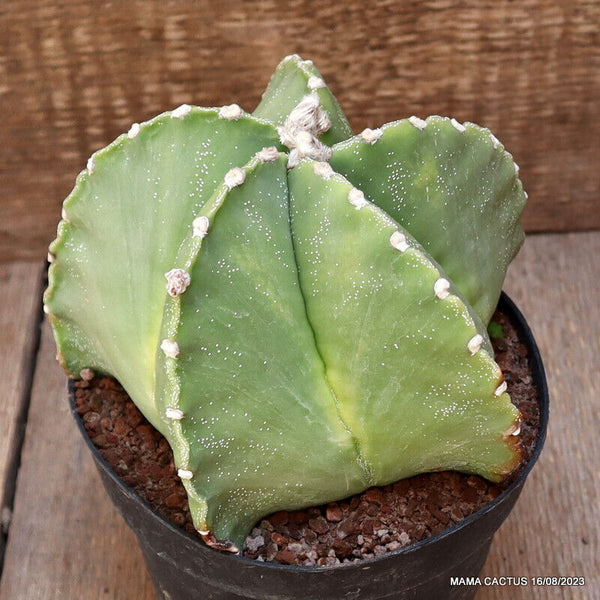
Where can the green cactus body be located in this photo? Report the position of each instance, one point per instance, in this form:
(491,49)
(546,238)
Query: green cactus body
(305,345)
(453,187)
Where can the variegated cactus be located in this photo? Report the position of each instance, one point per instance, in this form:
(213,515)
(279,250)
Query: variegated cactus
(300,311)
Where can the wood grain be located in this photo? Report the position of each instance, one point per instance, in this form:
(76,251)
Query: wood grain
(73,75)
(66,541)
(555,528)
(20,307)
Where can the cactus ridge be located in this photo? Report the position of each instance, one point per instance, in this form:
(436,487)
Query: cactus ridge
(249,368)
(454,187)
(294,80)
(386,318)
(121,227)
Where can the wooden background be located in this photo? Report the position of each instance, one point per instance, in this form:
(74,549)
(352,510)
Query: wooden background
(74,74)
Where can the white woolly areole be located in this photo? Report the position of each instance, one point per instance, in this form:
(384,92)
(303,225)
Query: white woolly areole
(178,281)
(308,115)
(200,226)
(235,177)
(398,241)
(50,258)
(133,131)
(418,123)
(184,474)
(441,288)
(357,198)
(86,374)
(458,126)
(517,431)
(371,135)
(315,83)
(268,154)
(170,348)
(46,309)
(63,215)
(323,169)
(90,166)
(500,389)
(517,168)
(232,112)
(181,111)
(174,413)
(474,344)
(495,140)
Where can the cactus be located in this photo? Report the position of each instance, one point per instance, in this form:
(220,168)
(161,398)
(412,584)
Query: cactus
(264,288)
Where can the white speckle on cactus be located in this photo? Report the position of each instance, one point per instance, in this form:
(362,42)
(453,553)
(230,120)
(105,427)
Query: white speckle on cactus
(50,257)
(315,83)
(200,226)
(234,177)
(495,141)
(170,348)
(357,198)
(458,126)
(323,169)
(178,281)
(174,413)
(181,111)
(184,474)
(398,241)
(269,154)
(474,344)
(86,374)
(500,389)
(133,131)
(63,215)
(441,288)
(371,135)
(232,112)
(90,166)
(418,123)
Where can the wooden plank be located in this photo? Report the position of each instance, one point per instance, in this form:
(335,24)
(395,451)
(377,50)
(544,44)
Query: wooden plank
(85,552)
(74,75)
(555,528)
(20,291)
(66,540)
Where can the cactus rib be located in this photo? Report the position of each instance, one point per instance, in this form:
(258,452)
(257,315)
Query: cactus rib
(394,335)
(453,187)
(248,372)
(293,80)
(121,227)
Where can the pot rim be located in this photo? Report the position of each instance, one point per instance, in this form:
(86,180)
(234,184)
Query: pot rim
(535,361)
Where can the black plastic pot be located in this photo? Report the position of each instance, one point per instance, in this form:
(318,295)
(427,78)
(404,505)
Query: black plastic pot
(183,568)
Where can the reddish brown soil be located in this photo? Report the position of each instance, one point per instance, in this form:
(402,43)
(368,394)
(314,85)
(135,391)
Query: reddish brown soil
(370,524)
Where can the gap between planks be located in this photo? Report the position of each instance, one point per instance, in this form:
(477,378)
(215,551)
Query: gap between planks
(20,318)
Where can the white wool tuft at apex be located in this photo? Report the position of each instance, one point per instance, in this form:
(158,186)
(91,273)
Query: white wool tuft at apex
(442,288)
